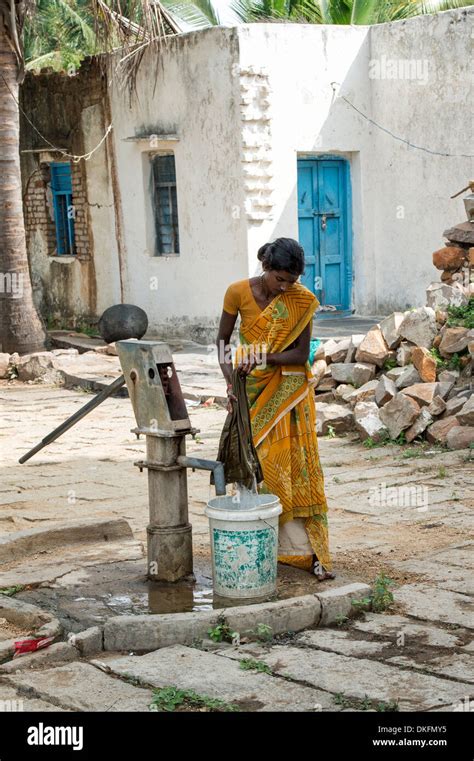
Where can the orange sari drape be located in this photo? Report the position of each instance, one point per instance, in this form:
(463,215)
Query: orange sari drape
(283,420)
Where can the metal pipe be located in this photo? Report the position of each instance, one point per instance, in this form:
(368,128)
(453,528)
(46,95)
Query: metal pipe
(214,465)
(98,399)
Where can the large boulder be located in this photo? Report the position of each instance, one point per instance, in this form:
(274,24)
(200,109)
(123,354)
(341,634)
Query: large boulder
(338,352)
(438,432)
(407,377)
(460,437)
(373,348)
(355,342)
(398,414)
(4,364)
(319,369)
(424,363)
(442,295)
(385,391)
(421,423)
(456,403)
(363,373)
(368,422)
(342,392)
(365,392)
(342,372)
(454,340)
(419,326)
(466,414)
(423,393)
(404,353)
(449,258)
(437,406)
(390,329)
(338,416)
(39,365)
(330,347)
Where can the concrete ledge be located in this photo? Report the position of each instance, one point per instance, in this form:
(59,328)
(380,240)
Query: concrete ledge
(38,622)
(20,544)
(60,652)
(88,642)
(337,603)
(144,633)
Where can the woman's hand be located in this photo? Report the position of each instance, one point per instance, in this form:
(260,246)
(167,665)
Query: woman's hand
(246,365)
(231,398)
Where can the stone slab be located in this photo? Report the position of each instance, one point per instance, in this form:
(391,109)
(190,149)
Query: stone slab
(434,604)
(209,674)
(391,626)
(342,642)
(359,677)
(81,687)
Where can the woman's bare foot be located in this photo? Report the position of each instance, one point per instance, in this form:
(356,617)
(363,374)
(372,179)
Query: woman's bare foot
(325,575)
(320,572)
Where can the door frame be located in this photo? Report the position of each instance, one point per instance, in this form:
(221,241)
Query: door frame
(302,156)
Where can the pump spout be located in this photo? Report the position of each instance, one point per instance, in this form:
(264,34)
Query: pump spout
(214,465)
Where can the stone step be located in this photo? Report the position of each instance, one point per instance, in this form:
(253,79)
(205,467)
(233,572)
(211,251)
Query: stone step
(80,687)
(208,674)
(357,677)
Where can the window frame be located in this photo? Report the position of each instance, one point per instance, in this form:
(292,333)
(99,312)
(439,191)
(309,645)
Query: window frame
(173,205)
(62,196)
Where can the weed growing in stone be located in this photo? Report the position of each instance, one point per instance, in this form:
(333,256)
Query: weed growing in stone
(10,591)
(171,698)
(222,632)
(249,664)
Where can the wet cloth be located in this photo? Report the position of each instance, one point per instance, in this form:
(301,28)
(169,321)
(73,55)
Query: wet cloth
(236,448)
(283,421)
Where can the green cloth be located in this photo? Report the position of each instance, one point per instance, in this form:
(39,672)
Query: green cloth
(236,449)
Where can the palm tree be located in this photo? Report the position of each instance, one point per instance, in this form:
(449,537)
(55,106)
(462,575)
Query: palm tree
(337,11)
(21,329)
(76,28)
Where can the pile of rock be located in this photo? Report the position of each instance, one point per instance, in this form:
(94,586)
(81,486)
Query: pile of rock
(390,381)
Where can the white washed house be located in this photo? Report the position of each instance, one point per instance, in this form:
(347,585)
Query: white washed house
(240,135)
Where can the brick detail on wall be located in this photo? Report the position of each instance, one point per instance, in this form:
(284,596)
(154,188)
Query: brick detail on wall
(38,209)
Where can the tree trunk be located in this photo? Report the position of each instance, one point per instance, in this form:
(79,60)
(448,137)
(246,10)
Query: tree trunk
(21,329)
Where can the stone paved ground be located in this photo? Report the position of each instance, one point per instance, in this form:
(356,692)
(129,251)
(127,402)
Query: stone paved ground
(419,654)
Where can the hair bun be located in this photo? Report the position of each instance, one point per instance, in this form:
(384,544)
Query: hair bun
(262,251)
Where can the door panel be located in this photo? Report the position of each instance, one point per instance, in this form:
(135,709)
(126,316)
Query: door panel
(324,229)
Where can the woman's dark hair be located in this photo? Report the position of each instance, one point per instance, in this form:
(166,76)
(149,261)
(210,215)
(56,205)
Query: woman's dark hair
(283,254)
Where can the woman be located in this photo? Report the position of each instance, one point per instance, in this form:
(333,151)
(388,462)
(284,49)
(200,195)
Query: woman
(276,316)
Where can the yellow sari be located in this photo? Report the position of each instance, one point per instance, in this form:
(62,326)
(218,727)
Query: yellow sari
(283,420)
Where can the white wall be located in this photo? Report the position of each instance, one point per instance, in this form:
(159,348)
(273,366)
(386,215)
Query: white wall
(391,252)
(194,94)
(437,115)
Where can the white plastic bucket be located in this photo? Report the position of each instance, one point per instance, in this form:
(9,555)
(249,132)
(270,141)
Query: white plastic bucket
(244,544)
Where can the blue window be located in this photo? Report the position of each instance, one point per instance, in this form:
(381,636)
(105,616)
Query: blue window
(165,204)
(61,187)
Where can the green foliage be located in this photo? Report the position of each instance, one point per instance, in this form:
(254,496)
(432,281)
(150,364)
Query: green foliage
(384,440)
(390,363)
(461,316)
(263,632)
(364,704)
(391,707)
(248,664)
(221,632)
(10,591)
(170,698)
(441,472)
(331,433)
(334,11)
(381,597)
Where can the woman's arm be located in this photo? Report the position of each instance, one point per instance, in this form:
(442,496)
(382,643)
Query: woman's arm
(224,351)
(294,356)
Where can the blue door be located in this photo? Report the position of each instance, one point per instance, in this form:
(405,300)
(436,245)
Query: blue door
(325,230)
